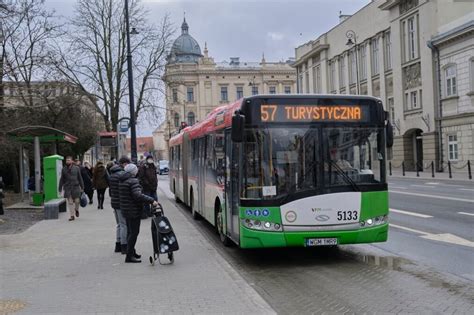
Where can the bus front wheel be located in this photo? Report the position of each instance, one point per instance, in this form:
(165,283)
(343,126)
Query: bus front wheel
(220,225)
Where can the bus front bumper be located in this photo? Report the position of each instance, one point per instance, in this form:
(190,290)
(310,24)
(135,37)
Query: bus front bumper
(262,239)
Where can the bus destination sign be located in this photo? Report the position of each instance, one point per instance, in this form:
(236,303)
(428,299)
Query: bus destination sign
(309,113)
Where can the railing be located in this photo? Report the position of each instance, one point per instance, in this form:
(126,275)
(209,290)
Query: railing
(446,165)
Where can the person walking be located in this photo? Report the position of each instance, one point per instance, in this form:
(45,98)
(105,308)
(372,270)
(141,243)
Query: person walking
(72,184)
(88,169)
(131,205)
(100,180)
(149,181)
(121,224)
(87,179)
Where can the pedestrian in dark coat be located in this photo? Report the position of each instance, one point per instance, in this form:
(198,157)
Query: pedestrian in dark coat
(100,180)
(131,204)
(72,184)
(121,224)
(149,181)
(87,179)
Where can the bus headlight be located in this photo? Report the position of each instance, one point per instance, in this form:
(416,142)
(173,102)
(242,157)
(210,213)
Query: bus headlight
(379,220)
(258,225)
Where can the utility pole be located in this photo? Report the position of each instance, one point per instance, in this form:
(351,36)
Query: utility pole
(133,131)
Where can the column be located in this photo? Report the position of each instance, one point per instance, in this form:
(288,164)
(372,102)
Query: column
(37,165)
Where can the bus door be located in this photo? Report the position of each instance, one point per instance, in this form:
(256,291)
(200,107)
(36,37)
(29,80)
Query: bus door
(232,180)
(201,182)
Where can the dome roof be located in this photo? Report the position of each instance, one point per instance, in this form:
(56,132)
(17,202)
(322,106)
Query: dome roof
(185,48)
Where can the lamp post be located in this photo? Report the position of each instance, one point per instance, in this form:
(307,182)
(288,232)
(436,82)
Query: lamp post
(352,40)
(133,130)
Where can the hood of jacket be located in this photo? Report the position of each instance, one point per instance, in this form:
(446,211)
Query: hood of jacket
(123,177)
(115,169)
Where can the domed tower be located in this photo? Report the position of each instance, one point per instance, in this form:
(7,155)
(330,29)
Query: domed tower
(185,48)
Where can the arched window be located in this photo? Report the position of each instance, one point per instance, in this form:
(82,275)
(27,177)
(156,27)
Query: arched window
(176,120)
(191,118)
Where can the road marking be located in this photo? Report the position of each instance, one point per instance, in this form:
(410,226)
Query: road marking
(411,213)
(466,189)
(466,213)
(444,237)
(431,196)
(396,187)
(432,183)
(442,184)
(424,186)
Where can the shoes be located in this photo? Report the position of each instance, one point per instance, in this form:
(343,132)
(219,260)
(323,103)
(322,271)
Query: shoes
(137,256)
(132,260)
(77,213)
(118,249)
(71,218)
(90,202)
(123,249)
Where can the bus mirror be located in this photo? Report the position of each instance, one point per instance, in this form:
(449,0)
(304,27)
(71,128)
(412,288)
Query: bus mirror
(238,122)
(389,134)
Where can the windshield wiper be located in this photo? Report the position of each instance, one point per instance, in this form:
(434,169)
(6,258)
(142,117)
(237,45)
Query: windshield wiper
(293,187)
(345,176)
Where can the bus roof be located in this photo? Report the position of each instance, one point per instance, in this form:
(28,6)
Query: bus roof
(218,118)
(221,117)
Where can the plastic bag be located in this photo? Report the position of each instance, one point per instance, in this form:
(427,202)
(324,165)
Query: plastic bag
(84,200)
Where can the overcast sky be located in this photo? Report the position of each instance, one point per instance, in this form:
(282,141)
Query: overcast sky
(244,28)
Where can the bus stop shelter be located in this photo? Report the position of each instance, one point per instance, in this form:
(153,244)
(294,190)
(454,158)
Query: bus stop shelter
(37,135)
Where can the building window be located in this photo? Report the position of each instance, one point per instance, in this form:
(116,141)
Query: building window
(191,118)
(413,99)
(287,89)
(175,95)
(450,77)
(363,62)
(388,51)
(342,71)
(190,94)
(472,74)
(375,56)
(176,120)
(332,76)
(240,92)
(391,108)
(272,90)
(254,90)
(353,69)
(410,38)
(224,96)
(453,147)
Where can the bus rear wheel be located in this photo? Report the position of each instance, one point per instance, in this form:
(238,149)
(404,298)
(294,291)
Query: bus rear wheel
(220,226)
(194,213)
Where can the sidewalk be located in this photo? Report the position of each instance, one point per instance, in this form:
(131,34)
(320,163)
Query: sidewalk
(65,267)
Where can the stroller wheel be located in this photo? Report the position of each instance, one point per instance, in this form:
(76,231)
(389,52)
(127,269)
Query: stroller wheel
(152,261)
(171,257)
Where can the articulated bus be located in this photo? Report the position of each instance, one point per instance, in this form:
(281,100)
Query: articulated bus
(287,170)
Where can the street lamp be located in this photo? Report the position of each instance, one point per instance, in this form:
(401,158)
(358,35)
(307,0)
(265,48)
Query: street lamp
(352,40)
(133,131)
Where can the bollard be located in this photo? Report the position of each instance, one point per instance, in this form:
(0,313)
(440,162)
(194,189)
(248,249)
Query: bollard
(449,169)
(390,167)
(469,169)
(417,169)
(432,169)
(403,168)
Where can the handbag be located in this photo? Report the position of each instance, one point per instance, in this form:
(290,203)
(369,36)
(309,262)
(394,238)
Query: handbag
(84,200)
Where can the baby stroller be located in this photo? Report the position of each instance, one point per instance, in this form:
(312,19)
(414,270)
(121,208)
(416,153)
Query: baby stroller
(164,239)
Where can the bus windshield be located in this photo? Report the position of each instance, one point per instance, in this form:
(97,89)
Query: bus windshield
(282,161)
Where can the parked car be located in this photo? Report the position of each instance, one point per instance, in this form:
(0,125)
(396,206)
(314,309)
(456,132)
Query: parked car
(163,167)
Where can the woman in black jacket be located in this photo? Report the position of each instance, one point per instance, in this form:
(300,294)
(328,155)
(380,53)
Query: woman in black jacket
(131,205)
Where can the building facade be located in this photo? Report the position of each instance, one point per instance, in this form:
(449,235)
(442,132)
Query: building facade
(382,50)
(454,61)
(196,84)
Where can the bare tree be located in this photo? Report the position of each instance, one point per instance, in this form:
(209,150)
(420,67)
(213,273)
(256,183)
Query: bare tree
(96,55)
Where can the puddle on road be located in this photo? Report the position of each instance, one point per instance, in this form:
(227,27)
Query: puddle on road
(386,262)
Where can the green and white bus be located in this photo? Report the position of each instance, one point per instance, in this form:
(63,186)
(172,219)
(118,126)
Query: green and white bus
(287,170)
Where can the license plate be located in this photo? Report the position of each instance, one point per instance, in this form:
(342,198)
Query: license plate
(321,241)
